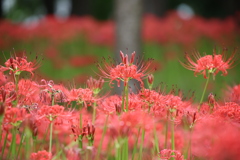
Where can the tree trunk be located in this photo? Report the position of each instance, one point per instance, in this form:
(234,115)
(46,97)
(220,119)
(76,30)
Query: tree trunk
(128,17)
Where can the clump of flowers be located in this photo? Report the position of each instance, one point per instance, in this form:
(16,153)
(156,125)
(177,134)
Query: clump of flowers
(81,123)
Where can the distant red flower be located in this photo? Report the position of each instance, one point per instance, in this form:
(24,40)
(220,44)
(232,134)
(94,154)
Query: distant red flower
(81,61)
(209,63)
(41,155)
(126,70)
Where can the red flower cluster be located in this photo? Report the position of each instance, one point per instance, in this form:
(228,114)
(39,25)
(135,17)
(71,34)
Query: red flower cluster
(155,123)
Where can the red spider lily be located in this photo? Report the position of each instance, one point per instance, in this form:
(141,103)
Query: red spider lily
(51,92)
(18,64)
(28,92)
(109,105)
(13,117)
(41,155)
(80,95)
(7,96)
(126,70)
(95,85)
(211,63)
(83,127)
(230,111)
(127,124)
(53,113)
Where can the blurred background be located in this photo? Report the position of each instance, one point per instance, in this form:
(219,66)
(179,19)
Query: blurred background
(71,35)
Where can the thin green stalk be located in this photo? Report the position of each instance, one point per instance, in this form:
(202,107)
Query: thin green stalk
(141,145)
(13,146)
(80,138)
(125,148)
(136,143)
(172,137)
(166,131)
(123,99)
(20,145)
(4,145)
(80,144)
(87,154)
(1,131)
(204,90)
(34,143)
(189,150)
(16,78)
(156,140)
(52,97)
(80,120)
(126,95)
(50,135)
(118,150)
(94,112)
(101,141)
(45,135)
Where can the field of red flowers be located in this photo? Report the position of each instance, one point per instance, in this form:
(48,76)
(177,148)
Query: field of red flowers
(43,119)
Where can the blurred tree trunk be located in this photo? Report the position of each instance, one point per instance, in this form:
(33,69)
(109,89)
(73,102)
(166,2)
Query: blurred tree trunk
(80,7)
(49,4)
(128,17)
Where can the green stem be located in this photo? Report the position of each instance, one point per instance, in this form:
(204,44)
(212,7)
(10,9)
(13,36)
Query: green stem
(126,95)
(141,145)
(52,97)
(172,137)
(166,131)
(103,134)
(80,144)
(118,150)
(4,145)
(125,148)
(1,129)
(156,140)
(13,144)
(16,77)
(204,90)
(20,145)
(80,120)
(135,145)
(45,135)
(94,112)
(34,143)
(50,135)
(123,99)
(189,151)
